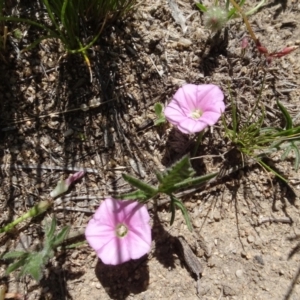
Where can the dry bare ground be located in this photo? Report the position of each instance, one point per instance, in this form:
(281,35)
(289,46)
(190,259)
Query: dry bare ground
(246,226)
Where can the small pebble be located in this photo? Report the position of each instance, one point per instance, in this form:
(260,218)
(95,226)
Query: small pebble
(250,239)
(239,273)
(281,272)
(68,132)
(98,285)
(217,216)
(259,259)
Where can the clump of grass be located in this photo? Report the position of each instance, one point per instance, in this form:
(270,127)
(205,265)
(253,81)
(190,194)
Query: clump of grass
(69,18)
(256,141)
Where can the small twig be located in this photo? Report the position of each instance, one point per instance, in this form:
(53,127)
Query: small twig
(87,107)
(191,260)
(44,167)
(275,220)
(84,210)
(221,293)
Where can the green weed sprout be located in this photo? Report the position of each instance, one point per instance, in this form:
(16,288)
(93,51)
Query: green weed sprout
(179,177)
(158,108)
(215,17)
(33,263)
(256,141)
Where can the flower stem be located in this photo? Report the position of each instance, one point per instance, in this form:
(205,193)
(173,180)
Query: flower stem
(199,139)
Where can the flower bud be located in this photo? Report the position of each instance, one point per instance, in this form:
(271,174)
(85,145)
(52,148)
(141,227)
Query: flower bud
(215,18)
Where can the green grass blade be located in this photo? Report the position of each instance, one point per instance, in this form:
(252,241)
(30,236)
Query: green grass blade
(267,167)
(286,115)
(201,7)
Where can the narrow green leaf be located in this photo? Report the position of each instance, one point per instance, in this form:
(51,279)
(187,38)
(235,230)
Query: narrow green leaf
(179,172)
(184,211)
(16,265)
(75,245)
(256,8)
(135,195)
(14,254)
(159,121)
(148,189)
(33,212)
(159,177)
(50,229)
(60,237)
(173,211)
(194,181)
(286,153)
(201,7)
(231,13)
(286,115)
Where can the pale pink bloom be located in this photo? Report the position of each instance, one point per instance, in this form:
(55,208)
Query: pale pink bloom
(194,107)
(119,231)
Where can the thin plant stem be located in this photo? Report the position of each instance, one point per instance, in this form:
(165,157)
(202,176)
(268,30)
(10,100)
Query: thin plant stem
(237,7)
(33,212)
(199,139)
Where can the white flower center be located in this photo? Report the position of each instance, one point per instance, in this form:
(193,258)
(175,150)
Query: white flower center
(121,230)
(196,114)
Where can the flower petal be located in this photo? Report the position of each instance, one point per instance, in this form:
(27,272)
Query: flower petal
(117,251)
(109,212)
(98,234)
(207,98)
(210,117)
(101,231)
(174,112)
(209,93)
(190,125)
(140,243)
(186,96)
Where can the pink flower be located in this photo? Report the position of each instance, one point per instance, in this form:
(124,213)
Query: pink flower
(119,231)
(194,107)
